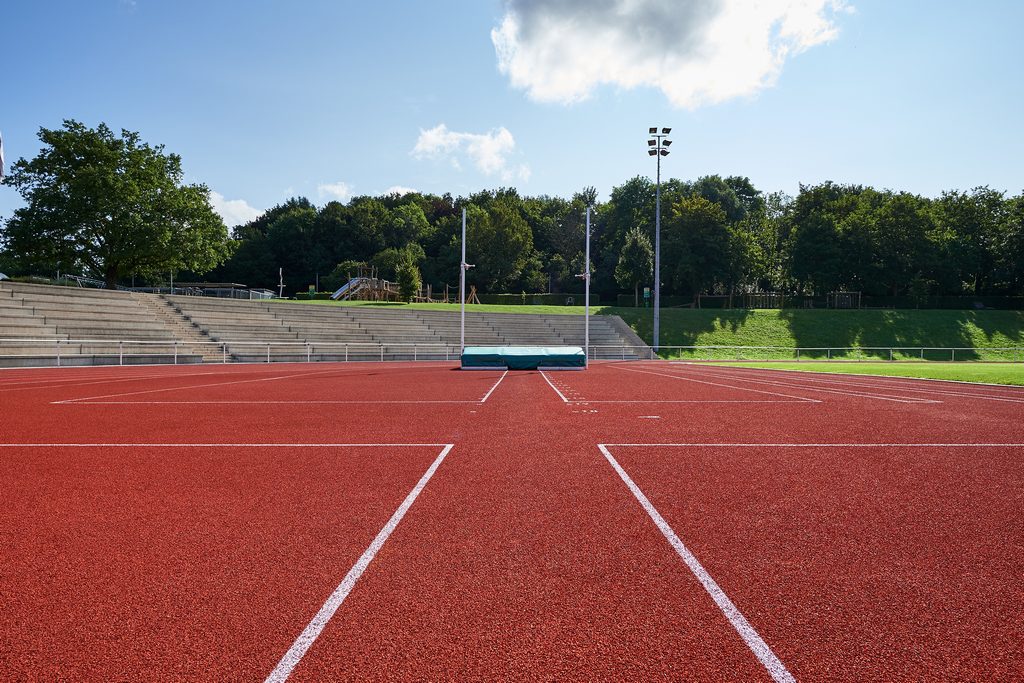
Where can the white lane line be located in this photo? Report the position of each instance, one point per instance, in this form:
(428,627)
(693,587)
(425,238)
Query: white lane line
(816,445)
(219,445)
(249,403)
(488,394)
(1009,387)
(838,380)
(81,381)
(750,636)
(195,386)
(564,399)
(724,400)
(309,635)
(716,384)
(805,387)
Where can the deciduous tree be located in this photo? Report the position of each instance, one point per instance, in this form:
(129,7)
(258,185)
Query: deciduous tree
(111,205)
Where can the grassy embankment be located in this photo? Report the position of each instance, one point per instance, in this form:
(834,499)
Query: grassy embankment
(977,333)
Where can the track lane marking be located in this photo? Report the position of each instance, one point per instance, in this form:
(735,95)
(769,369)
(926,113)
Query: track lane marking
(838,379)
(268,402)
(550,384)
(816,445)
(309,635)
(220,445)
(966,383)
(195,386)
(488,394)
(776,669)
(804,387)
(716,384)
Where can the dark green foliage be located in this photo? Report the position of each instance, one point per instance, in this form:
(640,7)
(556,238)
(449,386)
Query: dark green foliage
(110,206)
(636,264)
(408,277)
(719,235)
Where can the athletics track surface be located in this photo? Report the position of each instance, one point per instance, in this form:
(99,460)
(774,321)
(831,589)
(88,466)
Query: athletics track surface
(410,521)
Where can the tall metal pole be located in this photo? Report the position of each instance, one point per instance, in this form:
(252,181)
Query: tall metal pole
(586,299)
(657,146)
(462,288)
(657,258)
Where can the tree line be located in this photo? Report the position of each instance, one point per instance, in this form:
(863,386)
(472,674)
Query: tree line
(116,208)
(718,235)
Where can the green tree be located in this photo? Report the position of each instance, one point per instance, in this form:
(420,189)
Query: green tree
(499,241)
(631,205)
(112,206)
(409,280)
(969,224)
(388,261)
(696,245)
(407,223)
(636,264)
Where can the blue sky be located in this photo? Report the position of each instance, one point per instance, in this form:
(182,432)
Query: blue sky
(328,99)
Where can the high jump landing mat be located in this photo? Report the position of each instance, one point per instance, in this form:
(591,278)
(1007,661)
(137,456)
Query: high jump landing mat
(524,358)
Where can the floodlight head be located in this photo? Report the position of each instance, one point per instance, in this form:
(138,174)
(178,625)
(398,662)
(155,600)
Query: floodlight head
(667,143)
(651,143)
(664,152)
(666,131)
(653,152)
(652,131)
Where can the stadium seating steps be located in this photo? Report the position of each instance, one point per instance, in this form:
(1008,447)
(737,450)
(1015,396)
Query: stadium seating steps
(48,325)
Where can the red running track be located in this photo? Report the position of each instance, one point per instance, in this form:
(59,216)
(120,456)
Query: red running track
(412,521)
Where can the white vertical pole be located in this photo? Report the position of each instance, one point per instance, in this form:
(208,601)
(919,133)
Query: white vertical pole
(462,288)
(586,299)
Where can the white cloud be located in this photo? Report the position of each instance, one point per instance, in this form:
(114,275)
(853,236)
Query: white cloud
(340,191)
(695,51)
(233,211)
(400,190)
(488,152)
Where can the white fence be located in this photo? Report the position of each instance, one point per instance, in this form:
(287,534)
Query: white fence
(61,352)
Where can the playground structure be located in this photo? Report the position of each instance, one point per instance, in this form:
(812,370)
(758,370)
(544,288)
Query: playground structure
(367,286)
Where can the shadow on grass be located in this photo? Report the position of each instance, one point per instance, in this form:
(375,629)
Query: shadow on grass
(831,331)
(907,330)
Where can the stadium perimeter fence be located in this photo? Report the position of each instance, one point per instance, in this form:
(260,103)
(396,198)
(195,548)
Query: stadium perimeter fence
(71,352)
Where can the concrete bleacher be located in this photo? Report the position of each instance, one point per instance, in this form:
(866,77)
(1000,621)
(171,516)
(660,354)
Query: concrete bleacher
(47,325)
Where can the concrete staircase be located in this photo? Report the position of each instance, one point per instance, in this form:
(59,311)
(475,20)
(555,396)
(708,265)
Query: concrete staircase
(185,331)
(47,325)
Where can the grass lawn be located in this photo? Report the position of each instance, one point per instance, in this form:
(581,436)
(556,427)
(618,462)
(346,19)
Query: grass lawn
(474,308)
(990,373)
(978,332)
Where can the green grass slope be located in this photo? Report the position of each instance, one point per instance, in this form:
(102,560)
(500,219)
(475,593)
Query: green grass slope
(787,328)
(980,331)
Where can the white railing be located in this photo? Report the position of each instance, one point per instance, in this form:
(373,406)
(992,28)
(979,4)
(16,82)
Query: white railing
(132,352)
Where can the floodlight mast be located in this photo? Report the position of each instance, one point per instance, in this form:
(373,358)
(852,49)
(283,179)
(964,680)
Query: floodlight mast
(657,147)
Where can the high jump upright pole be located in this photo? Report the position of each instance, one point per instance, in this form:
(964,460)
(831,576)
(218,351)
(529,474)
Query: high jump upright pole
(462,288)
(586,298)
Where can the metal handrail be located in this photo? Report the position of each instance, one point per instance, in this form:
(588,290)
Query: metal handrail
(384,349)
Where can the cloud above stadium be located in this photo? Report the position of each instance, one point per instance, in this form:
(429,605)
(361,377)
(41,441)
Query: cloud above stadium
(488,152)
(697,52)
(339,191)
(233,211)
